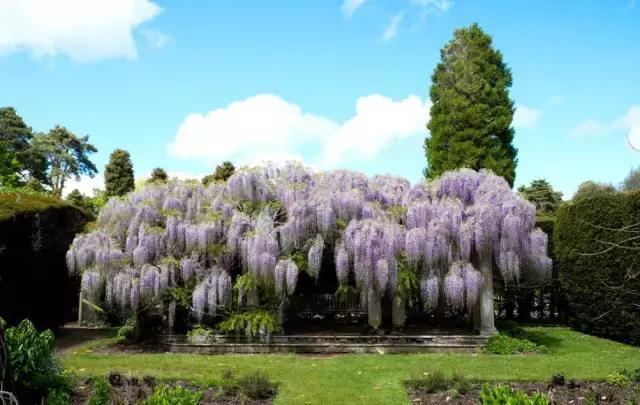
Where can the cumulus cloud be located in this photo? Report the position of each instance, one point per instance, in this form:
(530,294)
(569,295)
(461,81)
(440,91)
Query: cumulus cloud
(84,30)
(267,128)
(392,29)
(526,117)
(350,6)
(629,123)
(590,127)
(86,185)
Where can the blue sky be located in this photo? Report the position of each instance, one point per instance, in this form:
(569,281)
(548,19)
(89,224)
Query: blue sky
(185,85)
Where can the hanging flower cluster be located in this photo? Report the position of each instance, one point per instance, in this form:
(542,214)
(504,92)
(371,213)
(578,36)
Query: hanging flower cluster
(165,235)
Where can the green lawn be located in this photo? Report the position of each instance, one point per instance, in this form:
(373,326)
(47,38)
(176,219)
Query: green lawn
(374,379)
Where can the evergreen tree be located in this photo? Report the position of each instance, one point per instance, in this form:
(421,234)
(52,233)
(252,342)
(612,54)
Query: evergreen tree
(158,175)
(65,156)
(632,181)
(542,195)
(18,155)
(471,114)
(118,174)
(222,173)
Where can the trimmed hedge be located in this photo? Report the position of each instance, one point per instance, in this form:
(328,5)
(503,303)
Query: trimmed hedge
(603,289)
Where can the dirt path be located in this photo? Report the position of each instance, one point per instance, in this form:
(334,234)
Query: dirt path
(71,336)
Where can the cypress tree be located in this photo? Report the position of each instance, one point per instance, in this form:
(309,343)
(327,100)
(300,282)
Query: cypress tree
(118,174)
(472,113)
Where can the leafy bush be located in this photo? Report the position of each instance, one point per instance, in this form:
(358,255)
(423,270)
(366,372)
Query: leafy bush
(504,395)
(127,332)
(35,371)
(505,344)
(438,382)
(633,375)
(58,397)
(101,392)
(257,385)
(165,395)
(257,323)
(595,273)
(619,380)
(200,336)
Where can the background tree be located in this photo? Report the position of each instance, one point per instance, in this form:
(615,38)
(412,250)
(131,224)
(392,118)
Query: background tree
(542,195)
(16,151)
(632,181)
(222,173)
(158,175)
(472,113)
(118,174)
(65,156)
(590,189)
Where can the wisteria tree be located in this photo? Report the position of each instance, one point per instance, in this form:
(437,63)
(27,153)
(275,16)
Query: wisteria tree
(245,243)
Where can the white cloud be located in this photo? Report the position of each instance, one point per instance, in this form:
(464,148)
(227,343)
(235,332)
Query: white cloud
(155,39)
(84,30)
(590,127)
(556,100)
(392,29)
(526,117)
(441,5)
(629,123)
(85,185)
(350,6)
(267,128)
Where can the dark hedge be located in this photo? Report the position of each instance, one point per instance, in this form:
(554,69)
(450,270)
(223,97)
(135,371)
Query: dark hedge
(601,280)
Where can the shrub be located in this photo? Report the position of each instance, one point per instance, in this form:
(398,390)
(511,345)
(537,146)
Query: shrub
(100,393)
(165,395)
(437,382)
(35,371)
(505,344)
(257,323)
(257,385)
(200,336)
(596,275)
(633,375)
(619,380)
(504,395)
(58,397)
(127,332)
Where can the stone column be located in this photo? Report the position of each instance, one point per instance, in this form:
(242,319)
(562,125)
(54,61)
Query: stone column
(487,326)
(398,311)
(374,306)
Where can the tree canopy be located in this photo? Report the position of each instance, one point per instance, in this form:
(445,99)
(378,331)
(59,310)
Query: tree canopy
(158,175)
(632,181)
(590,188)
(222,173)
(472,113)
(65,156)
(542,195)
(118,174)
(19,161)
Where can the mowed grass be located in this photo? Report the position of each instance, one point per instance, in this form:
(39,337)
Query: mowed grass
(372,378)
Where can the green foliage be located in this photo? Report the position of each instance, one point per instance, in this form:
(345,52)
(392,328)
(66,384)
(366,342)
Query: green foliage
(257,385)
(89,205)
(251,323)
(16,202)
(344,291)
(341,224)
(471,115)
(596,247)
(632,181)
(32,362)
(590,189)
(58,397)
(438,382)
(200,335)
(101,392)
(66,155)
(158,175)
(182,295)
(245,282)
(505,344)
(542,195)
(222,173)
(398,212)
(127,332)
(118,174)
(504,395)
(166,395)
(408,281)
(619,380)
(17,152)
(632,375)
(300,259)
